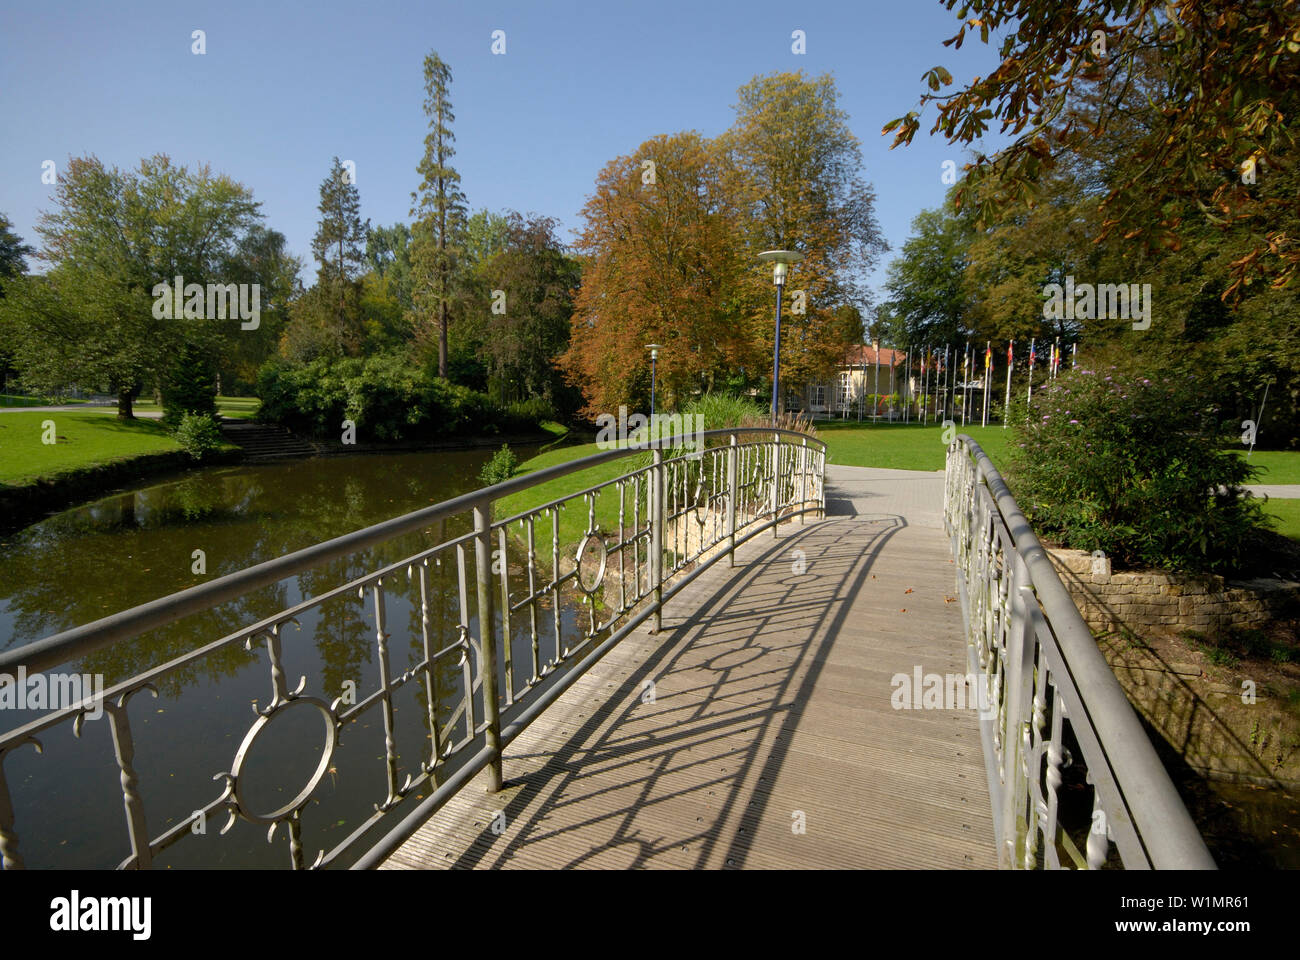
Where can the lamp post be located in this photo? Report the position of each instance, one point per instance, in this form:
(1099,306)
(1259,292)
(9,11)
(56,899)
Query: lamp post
(780,260)
(654,349)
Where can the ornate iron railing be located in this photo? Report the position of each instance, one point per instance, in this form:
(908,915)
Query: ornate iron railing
(1056,721)
(479,675)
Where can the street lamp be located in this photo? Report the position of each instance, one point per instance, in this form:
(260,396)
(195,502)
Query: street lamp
(654,349)
(780,260)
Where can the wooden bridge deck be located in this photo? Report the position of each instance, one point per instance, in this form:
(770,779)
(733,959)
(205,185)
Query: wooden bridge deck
(771,711)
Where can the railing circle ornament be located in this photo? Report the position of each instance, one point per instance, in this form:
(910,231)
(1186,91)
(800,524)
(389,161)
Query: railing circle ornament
(591,538)
(255,731)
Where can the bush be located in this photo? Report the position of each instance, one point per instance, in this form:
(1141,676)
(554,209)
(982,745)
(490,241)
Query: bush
(1137,467)
(501,467)
(199,435)
(388,398)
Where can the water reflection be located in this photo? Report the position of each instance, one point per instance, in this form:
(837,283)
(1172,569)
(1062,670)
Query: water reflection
(133,547)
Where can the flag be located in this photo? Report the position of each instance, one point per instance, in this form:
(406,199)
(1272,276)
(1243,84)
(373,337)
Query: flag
(1033,355)
(988,354)
(1010,361)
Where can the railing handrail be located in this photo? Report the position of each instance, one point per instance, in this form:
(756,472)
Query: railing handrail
(82,640)
(1164,826)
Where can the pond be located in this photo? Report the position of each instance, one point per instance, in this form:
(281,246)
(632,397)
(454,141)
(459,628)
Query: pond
(135,546)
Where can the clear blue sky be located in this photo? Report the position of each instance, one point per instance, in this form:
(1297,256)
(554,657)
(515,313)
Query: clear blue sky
(284,87)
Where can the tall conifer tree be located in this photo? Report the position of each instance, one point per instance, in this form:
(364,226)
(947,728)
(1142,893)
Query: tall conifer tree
(439,209)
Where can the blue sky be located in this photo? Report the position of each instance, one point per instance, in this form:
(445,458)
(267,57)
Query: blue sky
(283,87)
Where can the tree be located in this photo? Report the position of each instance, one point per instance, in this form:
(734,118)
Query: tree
(439,208)
(114,238)
(661,264)
(340,234)
(13,263)
(795,169)
(13,253)
(480,238)
(191,386)
(1196,97)
(260,257)
(926,283)
(388,255)
(525,317)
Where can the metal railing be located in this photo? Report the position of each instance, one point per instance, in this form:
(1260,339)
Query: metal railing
(479,681)
(1057,721)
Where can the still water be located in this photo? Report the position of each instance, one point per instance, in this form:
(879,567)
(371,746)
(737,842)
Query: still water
(132,547)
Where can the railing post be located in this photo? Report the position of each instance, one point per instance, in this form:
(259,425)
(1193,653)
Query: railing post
(776,482)
(1019,680)
(803,479)
(657,537)
(733,496)
(487,638)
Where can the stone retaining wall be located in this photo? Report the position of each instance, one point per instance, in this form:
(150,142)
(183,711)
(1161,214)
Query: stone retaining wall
(1146,598)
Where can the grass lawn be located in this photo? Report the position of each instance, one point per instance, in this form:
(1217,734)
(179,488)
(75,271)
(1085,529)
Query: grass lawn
(902,446)
(573,518)
(13,400)
(83,439)
(238,408)
(897,446)
(1287,513)
(1280,466)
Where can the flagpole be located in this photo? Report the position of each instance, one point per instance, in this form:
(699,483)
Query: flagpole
(1006,410)
(949,375)
(925,385)
(875,409)
(988,368)
(907,385)
(1074,355)
(1030,396)
(893,356)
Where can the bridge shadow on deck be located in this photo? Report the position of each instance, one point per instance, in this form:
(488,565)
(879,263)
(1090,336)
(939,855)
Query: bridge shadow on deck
(768,741)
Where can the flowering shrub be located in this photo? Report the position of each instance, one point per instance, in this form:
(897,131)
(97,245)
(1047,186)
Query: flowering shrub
(1134,465)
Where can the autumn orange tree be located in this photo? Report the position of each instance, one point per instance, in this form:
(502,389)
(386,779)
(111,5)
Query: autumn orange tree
(662,266)
(671,237)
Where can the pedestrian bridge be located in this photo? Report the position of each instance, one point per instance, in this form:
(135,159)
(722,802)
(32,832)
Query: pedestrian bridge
(721,658)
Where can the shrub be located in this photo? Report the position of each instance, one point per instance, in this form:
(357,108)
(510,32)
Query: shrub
(387,396)
(1137,467)
(501,467)
(198,434)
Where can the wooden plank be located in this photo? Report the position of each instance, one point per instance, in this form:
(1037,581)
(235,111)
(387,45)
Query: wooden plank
(771,711)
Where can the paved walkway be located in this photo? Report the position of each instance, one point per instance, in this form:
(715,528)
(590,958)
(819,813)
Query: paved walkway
(771,740)
(1279,491)
(82,408)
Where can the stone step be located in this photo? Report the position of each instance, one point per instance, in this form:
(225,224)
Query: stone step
(265,441)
